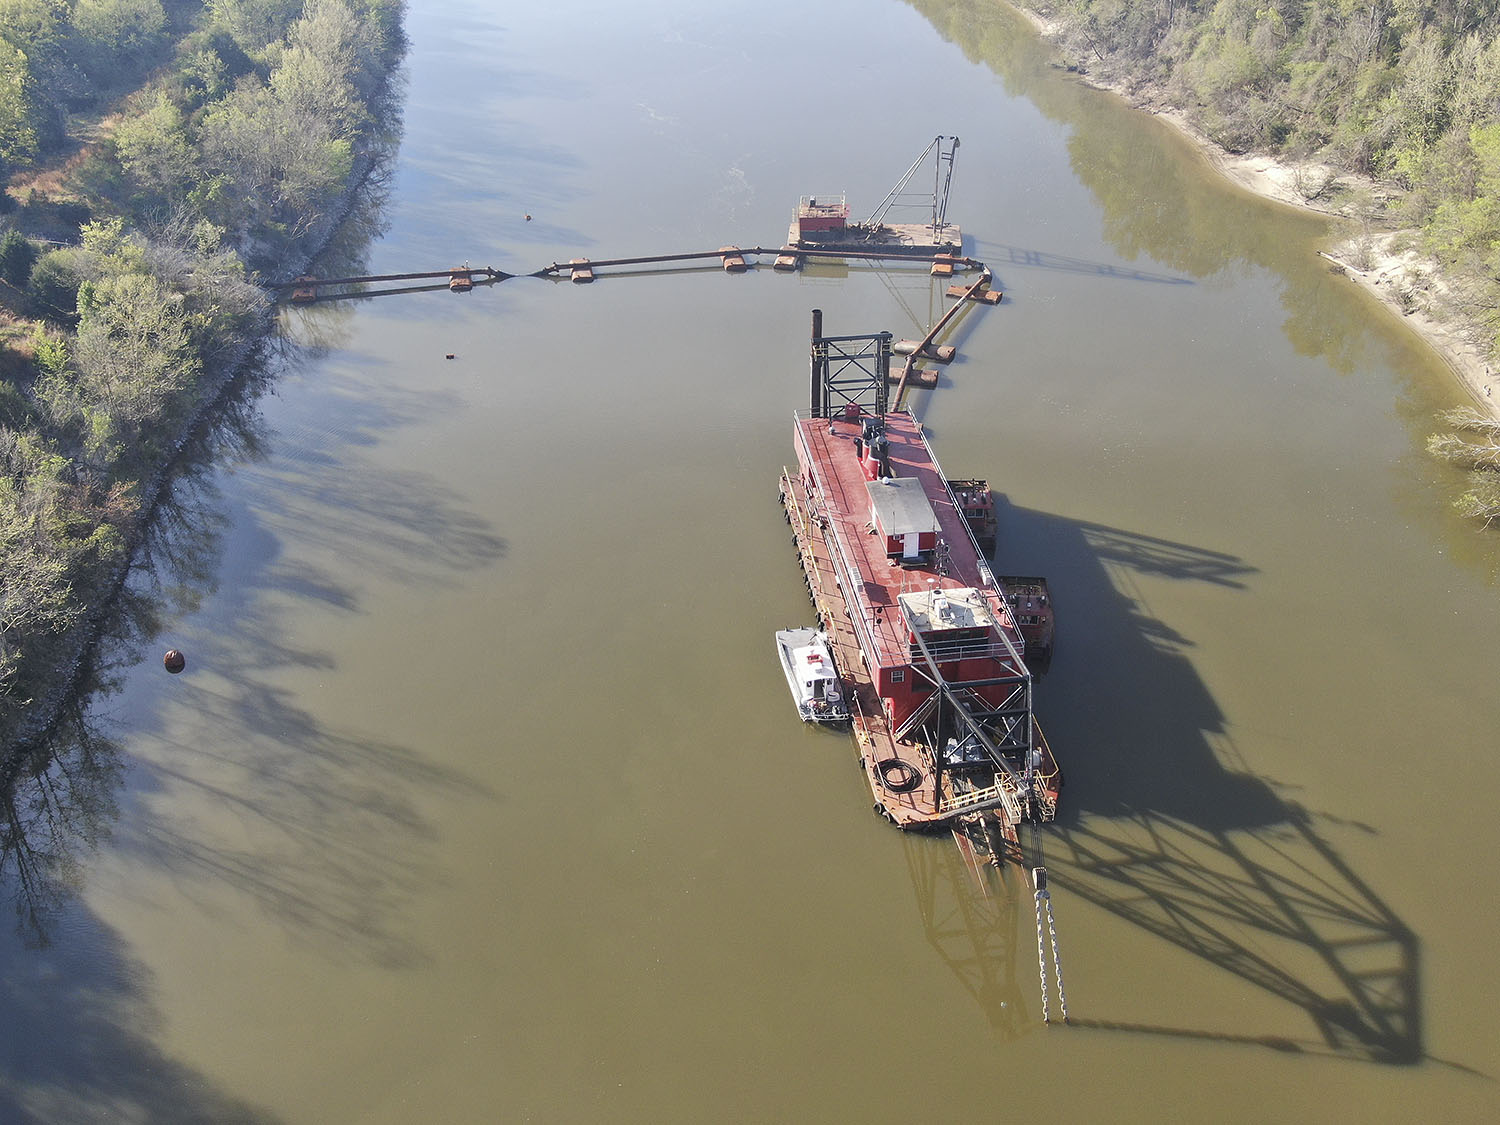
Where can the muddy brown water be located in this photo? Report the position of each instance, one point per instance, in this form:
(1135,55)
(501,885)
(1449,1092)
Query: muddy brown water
(481,797)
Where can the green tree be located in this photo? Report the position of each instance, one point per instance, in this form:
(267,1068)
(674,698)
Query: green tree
(327,66)
(34,73)
(1476,80)
(35,595)
(17,256)
(282,161)
(35,26)
(55,280)
(131,362)
(1417,110)
(51,352)
(203,74)
(129,29)
(19,113)
(254,23)
(154,149)
(1450,19)
(1464,228)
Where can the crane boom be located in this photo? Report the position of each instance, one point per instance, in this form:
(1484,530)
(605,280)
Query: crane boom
(940,187)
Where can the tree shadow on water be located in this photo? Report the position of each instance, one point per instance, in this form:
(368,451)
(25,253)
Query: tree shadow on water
(77,1041)
(236,792)
(323,830)
(77,1044)
(322,826)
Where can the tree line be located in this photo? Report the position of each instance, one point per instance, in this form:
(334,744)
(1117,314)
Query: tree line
(1405,92)
(1401,91)
(157,155)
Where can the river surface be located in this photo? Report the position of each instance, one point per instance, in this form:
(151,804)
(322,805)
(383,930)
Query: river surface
(482,799)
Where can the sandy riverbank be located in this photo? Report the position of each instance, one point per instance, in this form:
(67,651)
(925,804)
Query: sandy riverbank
(1399,278)
(1402,280)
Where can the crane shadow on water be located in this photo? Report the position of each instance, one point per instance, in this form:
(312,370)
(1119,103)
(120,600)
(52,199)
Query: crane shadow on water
(1163,827)
(1029,258)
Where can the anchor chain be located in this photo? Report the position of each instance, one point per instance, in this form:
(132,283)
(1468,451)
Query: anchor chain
(1041,952)
(1046,925)
(1062,997)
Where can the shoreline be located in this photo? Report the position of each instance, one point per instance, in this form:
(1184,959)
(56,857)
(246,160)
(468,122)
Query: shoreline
(1393,276)
(70,663)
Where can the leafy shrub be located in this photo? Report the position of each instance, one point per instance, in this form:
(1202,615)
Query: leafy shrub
(54,282)
(17,255)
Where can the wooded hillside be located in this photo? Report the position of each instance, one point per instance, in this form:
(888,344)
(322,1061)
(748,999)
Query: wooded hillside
(1405,92)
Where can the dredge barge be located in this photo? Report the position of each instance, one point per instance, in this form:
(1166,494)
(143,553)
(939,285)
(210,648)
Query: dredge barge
(822,221)
(926,641)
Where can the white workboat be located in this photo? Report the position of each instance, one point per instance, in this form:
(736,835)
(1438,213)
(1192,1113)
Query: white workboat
(808,664)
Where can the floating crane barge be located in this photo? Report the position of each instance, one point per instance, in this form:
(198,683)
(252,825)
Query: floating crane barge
(922,633)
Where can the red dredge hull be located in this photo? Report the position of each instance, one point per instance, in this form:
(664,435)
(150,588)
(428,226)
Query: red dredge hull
(926,642)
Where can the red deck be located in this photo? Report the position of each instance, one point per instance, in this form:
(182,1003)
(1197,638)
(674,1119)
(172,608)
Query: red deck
(841,480)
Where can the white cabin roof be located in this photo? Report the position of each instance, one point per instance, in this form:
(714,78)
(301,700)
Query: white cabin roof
(901,507)
(934,610)
(811,664)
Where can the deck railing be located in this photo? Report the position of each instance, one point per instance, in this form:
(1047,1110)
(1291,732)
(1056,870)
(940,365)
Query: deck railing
(947,652)
(1005,793)
(845,573)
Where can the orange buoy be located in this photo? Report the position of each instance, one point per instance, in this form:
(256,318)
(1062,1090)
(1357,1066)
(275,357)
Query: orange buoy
(174,661)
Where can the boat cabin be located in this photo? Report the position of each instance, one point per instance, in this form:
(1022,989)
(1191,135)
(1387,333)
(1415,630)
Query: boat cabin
(942,616)
(977,503)
(815,672)
(961,630)
(1031,607)
(820,214)
(901,512)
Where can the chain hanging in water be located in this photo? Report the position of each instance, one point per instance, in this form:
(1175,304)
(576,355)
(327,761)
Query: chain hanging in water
(1046,926)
